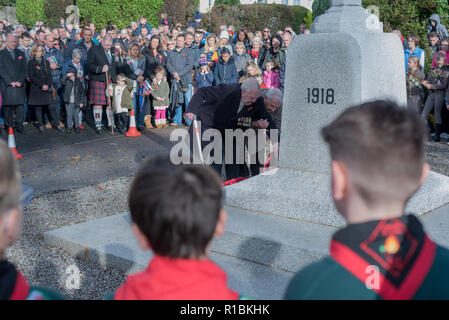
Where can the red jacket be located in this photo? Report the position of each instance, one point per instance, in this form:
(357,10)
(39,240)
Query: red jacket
(177,279)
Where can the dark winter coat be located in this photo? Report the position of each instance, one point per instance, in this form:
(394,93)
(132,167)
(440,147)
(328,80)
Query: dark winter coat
(40,75)
(225,73)
(181,62)
(152,62)
(96,59)
(79,93)
(216,107)
(282,76)
(84,50)
(67,48)
(204,80)
(13,71)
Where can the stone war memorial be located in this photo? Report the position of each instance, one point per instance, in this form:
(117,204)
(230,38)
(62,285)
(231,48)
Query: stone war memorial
(282,220)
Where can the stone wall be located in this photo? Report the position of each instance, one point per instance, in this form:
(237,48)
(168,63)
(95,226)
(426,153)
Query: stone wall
(10,14)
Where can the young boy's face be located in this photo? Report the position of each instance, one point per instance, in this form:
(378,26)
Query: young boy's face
(159,76)
(122,82)
(433,22)
(27,42)
(440,63)
(434,41)
(225,57)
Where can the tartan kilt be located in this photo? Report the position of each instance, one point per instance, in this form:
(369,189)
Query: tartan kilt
(97,93)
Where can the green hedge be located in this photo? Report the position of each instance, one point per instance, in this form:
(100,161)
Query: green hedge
(256,16)
(30,11)
(55,10)
(227,2)
(8,3)
(320,6)
(181,11)
(119,12)
(411,17)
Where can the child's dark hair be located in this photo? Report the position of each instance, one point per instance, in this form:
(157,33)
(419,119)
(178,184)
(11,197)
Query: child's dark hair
(275,64)
(159,69)
(176,207)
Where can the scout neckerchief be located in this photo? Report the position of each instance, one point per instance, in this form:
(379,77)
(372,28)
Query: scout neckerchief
(413,81)
(437,73)
(398,247)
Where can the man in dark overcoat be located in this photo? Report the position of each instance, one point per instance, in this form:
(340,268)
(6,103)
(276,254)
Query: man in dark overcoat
(101,61)
(13,66)
(230,106)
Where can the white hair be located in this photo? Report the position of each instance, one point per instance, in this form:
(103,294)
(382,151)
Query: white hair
(275,93)
(76,53)
(256,39)
(250,85)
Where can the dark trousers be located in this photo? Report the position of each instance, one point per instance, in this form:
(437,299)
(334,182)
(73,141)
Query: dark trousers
(122,123)
(434,101)
(14,116)
(47,109)
(232,169)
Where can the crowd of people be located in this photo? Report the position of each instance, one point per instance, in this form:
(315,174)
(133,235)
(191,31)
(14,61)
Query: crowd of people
(429,94)
(61,77)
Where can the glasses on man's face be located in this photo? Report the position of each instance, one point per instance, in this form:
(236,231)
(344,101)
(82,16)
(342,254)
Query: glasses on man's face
(266,31)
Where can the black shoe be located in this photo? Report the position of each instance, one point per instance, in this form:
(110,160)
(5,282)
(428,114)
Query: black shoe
(68,130)
(59,129)
(21,131)
(437,133)
(140,129)
(77,130)
(99,131)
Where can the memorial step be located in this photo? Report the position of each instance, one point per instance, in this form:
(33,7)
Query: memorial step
(306,196)
(260,253)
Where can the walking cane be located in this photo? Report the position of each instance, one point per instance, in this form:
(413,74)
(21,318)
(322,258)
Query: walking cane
(197,137)
(109,102)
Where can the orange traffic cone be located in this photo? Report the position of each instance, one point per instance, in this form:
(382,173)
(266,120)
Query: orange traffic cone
(12,144)
(132,132)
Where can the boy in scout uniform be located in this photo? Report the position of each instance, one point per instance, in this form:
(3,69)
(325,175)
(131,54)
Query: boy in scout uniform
(377,152)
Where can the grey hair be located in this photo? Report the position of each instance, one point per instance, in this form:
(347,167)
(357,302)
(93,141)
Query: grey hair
(256,39)
(240,44)
(250,85)
(11,34)
(108,37)
(76,53)
(275,93)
